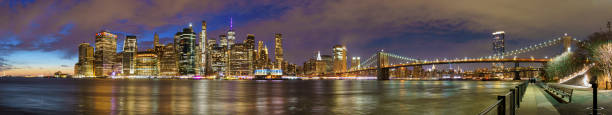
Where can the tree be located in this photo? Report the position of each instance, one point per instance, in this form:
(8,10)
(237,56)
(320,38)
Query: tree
(603,58)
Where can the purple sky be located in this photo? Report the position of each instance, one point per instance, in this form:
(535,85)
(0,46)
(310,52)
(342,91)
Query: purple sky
(50,30)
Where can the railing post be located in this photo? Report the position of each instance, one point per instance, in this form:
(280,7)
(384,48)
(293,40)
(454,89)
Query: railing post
(501,109)
(512,101)
(517,91)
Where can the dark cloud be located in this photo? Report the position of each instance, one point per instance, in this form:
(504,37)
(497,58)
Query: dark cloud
(413,28)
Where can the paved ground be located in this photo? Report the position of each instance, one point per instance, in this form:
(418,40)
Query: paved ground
(537,102)
(583,98)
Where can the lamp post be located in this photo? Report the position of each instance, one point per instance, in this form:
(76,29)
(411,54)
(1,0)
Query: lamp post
(594,85)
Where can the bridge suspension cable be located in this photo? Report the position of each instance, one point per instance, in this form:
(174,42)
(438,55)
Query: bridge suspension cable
(532,47)
(401,57)
(368,61)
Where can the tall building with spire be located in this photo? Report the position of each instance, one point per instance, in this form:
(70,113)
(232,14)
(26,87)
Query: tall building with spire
(105,52)
(203,49)
(262,56)
(278,50)
(156,40)
(130,48)
(231,35)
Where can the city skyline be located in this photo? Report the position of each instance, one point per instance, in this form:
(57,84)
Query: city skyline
(36,44)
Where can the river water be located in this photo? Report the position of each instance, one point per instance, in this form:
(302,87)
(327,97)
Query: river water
(155,96)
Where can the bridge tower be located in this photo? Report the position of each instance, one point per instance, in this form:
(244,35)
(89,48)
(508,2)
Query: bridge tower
(382,61)
(516,71)
(567,43)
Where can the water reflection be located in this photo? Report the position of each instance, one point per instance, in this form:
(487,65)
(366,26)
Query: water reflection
(104,96)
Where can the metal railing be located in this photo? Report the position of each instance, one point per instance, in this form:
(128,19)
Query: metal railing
(514,98)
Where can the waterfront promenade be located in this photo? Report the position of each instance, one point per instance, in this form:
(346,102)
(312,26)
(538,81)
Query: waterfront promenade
(537,102)
(583,98)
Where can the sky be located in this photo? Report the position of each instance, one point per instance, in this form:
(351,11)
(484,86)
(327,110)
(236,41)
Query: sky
(39,37)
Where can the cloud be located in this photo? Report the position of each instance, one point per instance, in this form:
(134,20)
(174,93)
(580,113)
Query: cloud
(412,28)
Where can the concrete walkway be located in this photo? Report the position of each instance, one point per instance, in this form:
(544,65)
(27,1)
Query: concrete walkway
(535,102)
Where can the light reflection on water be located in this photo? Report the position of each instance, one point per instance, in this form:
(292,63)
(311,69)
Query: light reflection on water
(143,96)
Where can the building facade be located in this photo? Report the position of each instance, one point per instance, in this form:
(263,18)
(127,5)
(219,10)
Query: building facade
(147,64)
(85,66)
(355,63)
(187,52)
(168,61)
(130,48)
(278,50)
(105,53)
(339,53)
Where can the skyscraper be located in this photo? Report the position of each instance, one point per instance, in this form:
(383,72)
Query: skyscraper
(168,61)
(219,60)
(355,63)
(262,56)
(156,40)
(339,53)
(231,35)
(223,41)
(239,59)
(105,51)
(147,64)
(84,68)
(187,54)
(250,46)
(130,48)
(498,44)
(264,59)
(278,50)
(203,49)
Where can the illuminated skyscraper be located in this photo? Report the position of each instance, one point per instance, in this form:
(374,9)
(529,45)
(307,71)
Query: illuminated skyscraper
(168,61)
(250,46)
(130,48)
(339,58)
(84,68)
(187,54)
(219,60)
(355,63)
(327,64)
(203,49)
(498,44)
(105,51)
(239,59)
(262,56)
(147,64)
(231,35)
(264,60)
(223,41)
(156,40)
(278,50)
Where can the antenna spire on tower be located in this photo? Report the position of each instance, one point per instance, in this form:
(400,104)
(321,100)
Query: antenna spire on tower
(231,23)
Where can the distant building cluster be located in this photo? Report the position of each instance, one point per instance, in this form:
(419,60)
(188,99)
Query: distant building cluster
(328,64)
(189,55)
